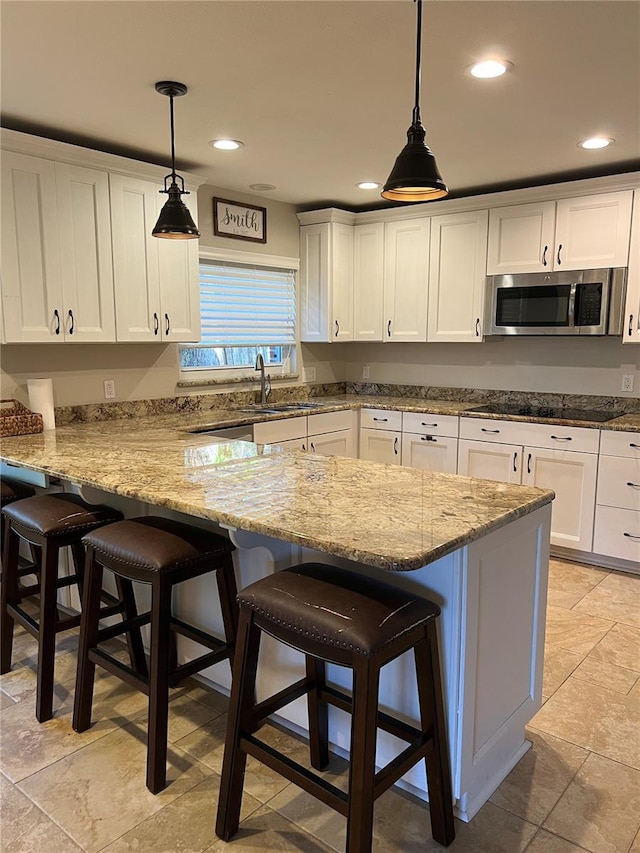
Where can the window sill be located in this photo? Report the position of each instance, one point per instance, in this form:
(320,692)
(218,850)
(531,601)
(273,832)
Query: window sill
(194,383)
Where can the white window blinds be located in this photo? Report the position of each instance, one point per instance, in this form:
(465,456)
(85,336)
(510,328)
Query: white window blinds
(245,306)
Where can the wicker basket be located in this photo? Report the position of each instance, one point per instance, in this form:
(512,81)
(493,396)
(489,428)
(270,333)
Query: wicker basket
(16,419)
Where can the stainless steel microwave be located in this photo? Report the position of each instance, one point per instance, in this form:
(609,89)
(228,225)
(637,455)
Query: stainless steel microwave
(583,302)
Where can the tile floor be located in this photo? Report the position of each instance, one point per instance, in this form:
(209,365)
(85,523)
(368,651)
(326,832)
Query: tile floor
(577,789)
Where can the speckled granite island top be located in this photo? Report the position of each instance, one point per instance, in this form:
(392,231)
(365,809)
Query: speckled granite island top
(386,516)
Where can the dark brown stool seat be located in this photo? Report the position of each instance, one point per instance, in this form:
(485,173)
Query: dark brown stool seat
(161,553)
(338,617)
(11,491)
(48,523)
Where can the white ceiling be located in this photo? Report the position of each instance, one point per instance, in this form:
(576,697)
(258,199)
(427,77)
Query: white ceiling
(321,91)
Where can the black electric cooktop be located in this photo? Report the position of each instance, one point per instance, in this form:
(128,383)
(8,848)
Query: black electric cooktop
(547,412)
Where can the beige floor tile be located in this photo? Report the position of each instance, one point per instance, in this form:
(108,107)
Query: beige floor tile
(6,701)
(621,646)
(600,810)
(207,695)
(594,718)
(635,847)
(577,632)
(559,663)
(25,828)
(617,598)
(267,831)
(570,582)
(207,745)
(186,824)
(99,792)
(539,779)
(545,842)
(606,674)
(42,744)
(185,715)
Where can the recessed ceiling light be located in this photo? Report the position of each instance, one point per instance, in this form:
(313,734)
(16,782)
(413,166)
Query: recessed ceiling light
(490,68)
(596,142)
(226,144)
(263,188)
(368,185)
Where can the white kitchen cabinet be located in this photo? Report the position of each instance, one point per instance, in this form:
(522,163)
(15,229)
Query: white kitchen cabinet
(458,260)
(381,445)
(406,279)
(631,327)
(338,443)
(368,282)
(489,460)
(156,281)
(326,273)
(617,522)
(281,430)
(289,444)
(587,232)
(430,452)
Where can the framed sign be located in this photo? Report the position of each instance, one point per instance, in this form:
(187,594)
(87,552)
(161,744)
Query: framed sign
(239,221)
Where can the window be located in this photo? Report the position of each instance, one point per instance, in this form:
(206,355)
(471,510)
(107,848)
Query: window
(245,310)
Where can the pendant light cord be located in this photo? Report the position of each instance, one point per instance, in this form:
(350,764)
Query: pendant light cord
(173,147)
(416,108)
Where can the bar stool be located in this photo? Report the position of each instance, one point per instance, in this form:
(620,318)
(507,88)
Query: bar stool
(48,522)
(10,491)
(338,617)
(161,553)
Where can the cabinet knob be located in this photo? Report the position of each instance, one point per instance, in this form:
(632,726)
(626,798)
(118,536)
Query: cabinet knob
(631,536)
(73,322)
(427,438)
(313,447)
(57,316)
(483,429)
(561,437)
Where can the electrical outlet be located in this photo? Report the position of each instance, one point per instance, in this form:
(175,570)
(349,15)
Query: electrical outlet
(309,374)
(366,372)
(627,382)
(109,389)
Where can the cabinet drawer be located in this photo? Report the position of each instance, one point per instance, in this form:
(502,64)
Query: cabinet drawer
(619,482)
(620,443)
(284,429)
(617,533)
(380,419)
(425,424)
(552,436)
(329,422)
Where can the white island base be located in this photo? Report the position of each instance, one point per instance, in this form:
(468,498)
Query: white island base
(493,598)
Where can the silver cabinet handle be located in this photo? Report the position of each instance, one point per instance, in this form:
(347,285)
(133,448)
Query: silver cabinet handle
(381,420)
(515,461)
(561,437)
(57,316)
(544,256)
(156,323)
(73,322)
(389,328)
(631,536)
(478,327)
(167,328)
(495,431)
(395,446)
(558,258)
(337,328)
(427,438)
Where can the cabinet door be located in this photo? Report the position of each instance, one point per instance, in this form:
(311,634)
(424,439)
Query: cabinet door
(326,282)
(487,460)
(31,274)
(457,264)
(85,239)
(340,443)
(631,328)
(380,445)
(179,283)
(572,476)
(430,452)
(406,278)
(521,238)
(134,211)
(593,231)
(289,444)
(368,282)
(341,282)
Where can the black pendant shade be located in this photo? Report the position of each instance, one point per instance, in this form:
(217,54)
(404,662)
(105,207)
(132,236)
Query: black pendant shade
(415,175)
(175,221)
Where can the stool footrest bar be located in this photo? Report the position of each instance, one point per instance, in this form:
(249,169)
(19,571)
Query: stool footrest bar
(279,700)
(192,633)
(114,666)
(21,616)
(401,764)
(388,724)
(122,627)
(184,670)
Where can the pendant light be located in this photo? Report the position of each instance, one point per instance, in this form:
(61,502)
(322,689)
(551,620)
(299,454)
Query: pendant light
(415,175)
(175,221)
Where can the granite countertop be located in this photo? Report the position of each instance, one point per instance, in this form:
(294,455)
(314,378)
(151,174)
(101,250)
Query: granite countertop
(391,517)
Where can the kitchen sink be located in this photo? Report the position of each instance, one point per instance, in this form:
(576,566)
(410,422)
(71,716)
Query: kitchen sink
(276,408)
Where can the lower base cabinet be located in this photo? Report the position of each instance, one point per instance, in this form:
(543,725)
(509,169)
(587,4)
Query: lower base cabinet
(617,524)
(381,445)
(488,460)
(430,452)
(339,443)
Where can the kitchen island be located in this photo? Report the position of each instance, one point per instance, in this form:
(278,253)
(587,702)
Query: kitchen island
(478,548)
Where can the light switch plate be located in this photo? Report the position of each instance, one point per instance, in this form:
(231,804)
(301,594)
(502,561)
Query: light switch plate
(627,382)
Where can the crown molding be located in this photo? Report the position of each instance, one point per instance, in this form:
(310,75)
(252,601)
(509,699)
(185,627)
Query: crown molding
(329,214)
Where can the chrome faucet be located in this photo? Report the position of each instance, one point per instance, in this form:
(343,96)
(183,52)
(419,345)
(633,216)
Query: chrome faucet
(265,381)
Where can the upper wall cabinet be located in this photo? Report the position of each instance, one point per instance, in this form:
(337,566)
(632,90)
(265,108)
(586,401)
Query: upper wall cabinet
(326,263)
(631,328)
(575,233)
(458,259)
(368,282)
(406,279)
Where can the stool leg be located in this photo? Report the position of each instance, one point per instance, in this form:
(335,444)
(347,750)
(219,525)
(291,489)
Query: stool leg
(227,590)
(433,717)
(159,669)
(134,636)
(245,665)
(366,675)
(79,557)
(318,713)
(47,638)
(10,595)
(89,626)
